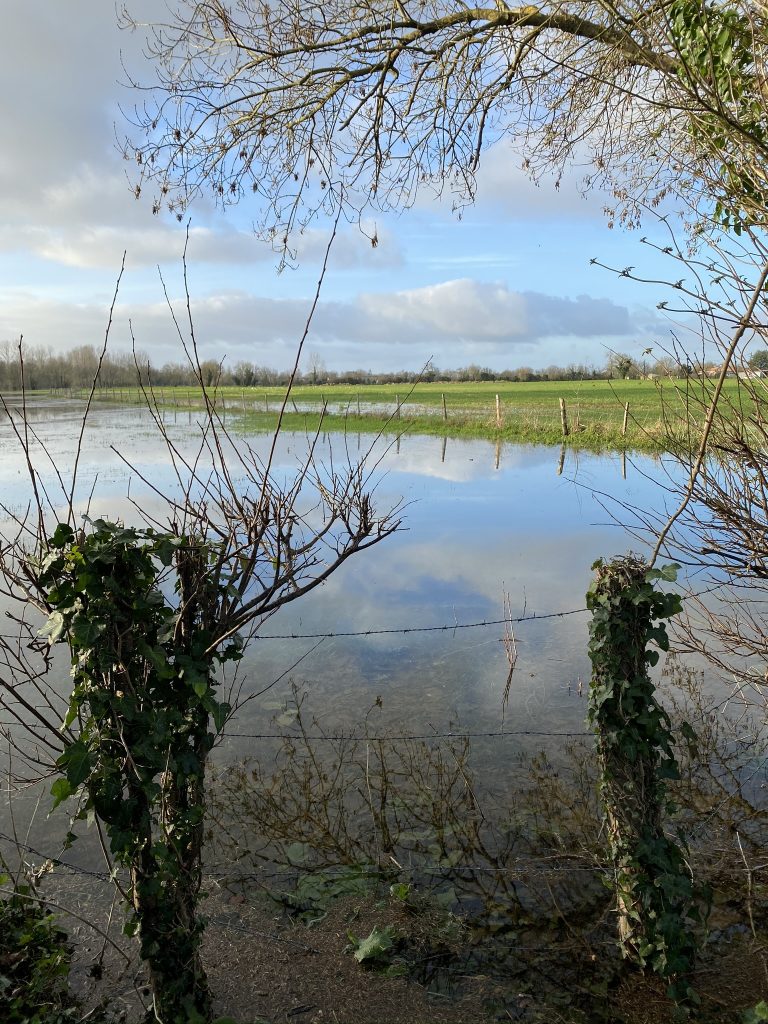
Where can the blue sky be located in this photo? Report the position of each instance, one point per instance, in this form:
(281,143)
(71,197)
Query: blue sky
(509,284)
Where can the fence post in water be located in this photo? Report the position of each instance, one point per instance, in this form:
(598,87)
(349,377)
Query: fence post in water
(266,402)
(358,403)
(563,418)
(626,417)
(498,413)
(397,408)
(657,902)
(445,411)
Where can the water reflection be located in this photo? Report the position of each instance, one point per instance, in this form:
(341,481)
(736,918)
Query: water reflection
(483,519)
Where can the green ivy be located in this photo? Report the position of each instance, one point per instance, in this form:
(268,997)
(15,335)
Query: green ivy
(34,962)
(659,904)
(716,47)
(142,719)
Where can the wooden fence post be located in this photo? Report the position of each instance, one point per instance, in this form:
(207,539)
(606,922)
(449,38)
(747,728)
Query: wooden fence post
(563,418)
(445,410)
(626,417)
(656,899)
(498,413)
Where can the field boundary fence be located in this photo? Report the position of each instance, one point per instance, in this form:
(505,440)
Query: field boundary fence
(561,412)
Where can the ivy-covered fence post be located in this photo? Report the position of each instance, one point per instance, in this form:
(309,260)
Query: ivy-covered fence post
(142,720)
(658,904)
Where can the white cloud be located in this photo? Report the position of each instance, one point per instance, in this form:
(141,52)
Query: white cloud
(503,184)
(456,322)
(475,310)
(67,213)
(65,191)
(503,187)
(462,308)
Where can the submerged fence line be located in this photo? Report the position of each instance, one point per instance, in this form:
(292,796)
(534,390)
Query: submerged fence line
(393,738)
(440,628)
(234,921)
(420,629)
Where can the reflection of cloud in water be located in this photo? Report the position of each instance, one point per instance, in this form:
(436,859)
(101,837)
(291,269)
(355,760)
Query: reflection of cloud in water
(528,532)
(464,461)
(479,520)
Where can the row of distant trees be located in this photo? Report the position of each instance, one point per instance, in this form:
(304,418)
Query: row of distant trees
(46,369)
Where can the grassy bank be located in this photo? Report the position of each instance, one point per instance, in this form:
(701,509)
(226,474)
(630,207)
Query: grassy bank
(595,415)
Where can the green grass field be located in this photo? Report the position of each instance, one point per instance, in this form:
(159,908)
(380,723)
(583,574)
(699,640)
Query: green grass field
(527,412)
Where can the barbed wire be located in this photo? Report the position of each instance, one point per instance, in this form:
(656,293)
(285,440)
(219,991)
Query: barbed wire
(518,867)
(403,737)
(457,734)
(404,630)
(443,628)
(55,859)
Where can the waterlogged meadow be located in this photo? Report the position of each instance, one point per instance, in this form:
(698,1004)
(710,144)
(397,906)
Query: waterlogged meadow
(594,415)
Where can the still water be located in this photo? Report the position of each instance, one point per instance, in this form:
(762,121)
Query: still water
(485,528)
(480,521)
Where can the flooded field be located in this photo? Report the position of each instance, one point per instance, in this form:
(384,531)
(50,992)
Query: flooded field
(480,522)
(442,674)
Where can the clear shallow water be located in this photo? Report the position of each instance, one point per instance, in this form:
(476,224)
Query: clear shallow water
(480,520)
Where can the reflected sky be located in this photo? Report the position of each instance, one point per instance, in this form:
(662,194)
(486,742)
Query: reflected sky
(479,524)
(481,520)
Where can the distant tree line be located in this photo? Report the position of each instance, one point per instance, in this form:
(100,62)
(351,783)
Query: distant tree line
(46,369)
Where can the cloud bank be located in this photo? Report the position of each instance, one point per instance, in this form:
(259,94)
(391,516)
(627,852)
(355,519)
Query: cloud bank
(453,319)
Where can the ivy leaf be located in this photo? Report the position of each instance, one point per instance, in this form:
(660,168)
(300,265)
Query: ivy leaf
(219,712)
(85,632)
(76,762)
(62,536)
(166,548)
(167,632)
(53,628)
(668,573)
(71,714)
(60,790)
(756,1014)
(375,945)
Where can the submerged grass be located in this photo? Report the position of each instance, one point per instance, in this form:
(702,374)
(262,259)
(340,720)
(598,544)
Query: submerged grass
(635,415)
(467,877)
